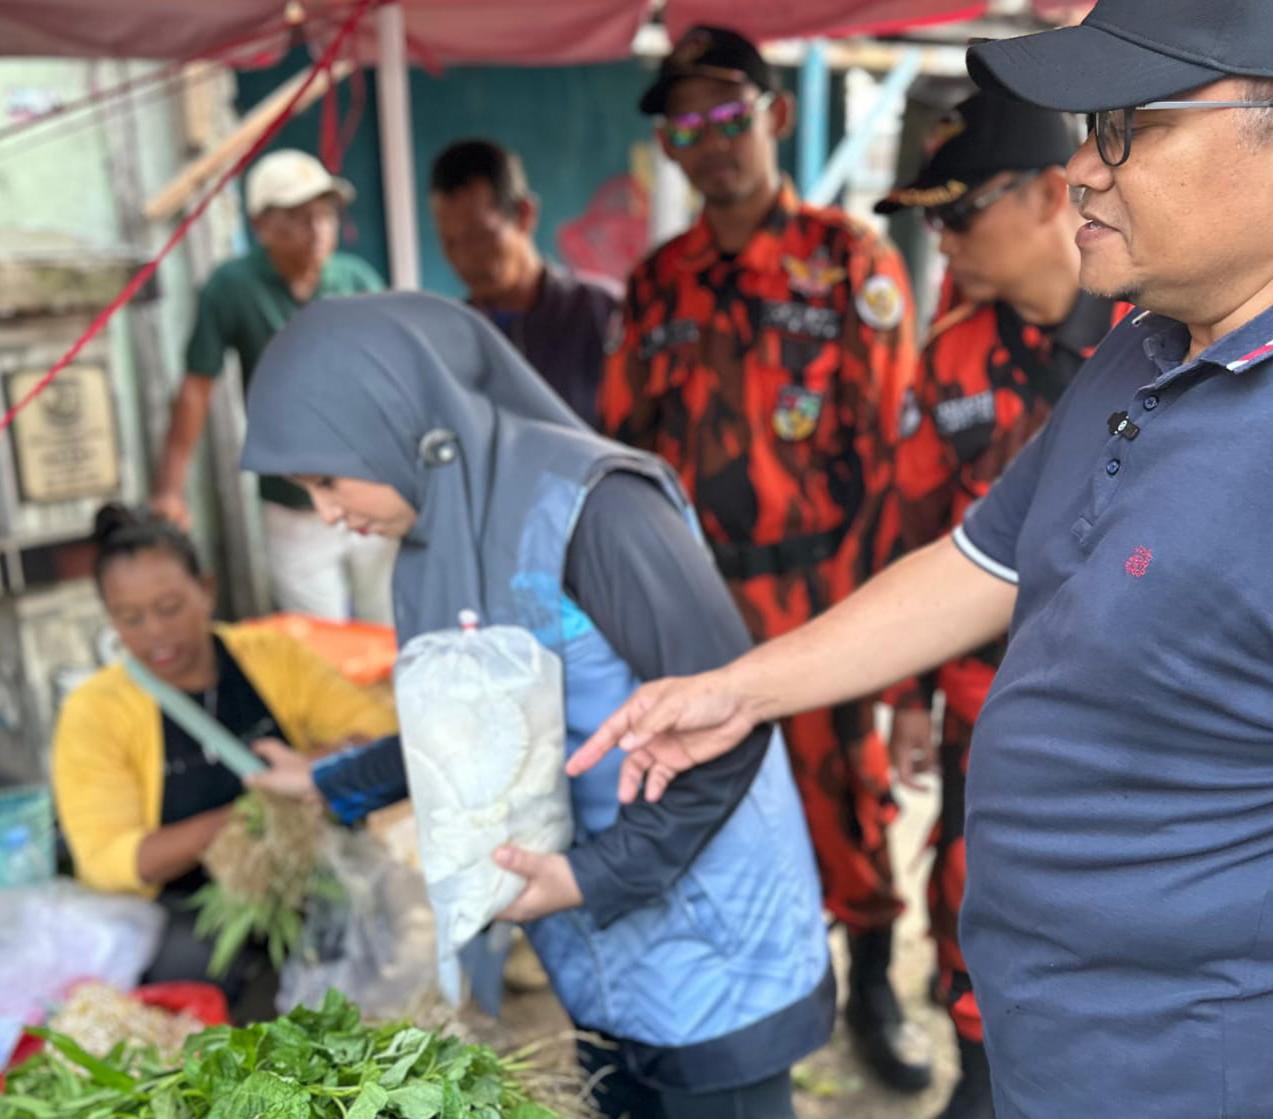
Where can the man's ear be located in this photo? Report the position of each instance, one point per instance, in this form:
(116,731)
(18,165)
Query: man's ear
(208,582)
(1053,192)
(527,215)
(782,115)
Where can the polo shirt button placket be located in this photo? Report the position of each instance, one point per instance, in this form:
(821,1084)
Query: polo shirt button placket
(1150,403)
(1113,467)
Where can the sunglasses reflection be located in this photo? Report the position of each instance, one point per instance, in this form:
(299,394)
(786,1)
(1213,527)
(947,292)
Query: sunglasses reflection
(730,120)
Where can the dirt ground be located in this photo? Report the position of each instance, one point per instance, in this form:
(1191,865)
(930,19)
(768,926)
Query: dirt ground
(832,1084)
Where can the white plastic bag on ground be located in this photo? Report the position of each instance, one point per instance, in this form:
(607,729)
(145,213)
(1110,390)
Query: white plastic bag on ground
(58,932)
(483,733)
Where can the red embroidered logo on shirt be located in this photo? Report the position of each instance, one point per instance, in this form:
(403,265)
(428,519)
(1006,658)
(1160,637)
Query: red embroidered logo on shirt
(1138,563)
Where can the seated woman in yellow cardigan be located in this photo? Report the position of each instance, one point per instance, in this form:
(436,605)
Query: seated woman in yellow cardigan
(137,797)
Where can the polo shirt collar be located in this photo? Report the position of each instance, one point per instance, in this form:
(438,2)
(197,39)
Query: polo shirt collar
(1246,347)
(1238,351)
(265,268)
(763,251)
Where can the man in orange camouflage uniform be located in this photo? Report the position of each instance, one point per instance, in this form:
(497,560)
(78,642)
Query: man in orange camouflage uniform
(764,354)
(998,356)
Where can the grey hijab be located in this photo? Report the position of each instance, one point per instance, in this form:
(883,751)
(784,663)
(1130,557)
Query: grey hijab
(424,395)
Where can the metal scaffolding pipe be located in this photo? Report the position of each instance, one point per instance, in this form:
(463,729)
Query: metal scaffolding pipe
(397,162)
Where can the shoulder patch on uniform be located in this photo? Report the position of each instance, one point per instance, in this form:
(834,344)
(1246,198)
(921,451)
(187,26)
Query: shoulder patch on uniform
(880,303)
(910,416)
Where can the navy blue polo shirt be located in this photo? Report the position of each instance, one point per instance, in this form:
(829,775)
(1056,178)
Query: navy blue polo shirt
(1119,914)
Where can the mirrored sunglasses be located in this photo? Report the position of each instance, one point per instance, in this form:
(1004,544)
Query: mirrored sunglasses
(732,119)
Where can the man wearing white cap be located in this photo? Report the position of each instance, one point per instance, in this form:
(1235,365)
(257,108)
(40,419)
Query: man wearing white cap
(294,205)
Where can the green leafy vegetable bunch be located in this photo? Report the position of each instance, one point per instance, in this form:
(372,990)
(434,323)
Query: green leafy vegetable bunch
(264,867)
(311,1064)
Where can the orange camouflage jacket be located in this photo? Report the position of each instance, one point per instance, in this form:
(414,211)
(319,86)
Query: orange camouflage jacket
(987,381)
(772,380)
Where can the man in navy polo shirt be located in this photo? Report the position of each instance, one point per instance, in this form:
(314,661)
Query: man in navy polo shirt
(1119,916)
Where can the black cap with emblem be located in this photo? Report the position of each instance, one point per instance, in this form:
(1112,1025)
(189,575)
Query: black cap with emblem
(708,52)
(985,135)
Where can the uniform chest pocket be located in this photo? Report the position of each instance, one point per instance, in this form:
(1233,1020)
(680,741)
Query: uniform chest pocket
(801,340)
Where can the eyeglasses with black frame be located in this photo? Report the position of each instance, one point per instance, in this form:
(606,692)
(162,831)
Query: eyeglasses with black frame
(1115,128)
(958,216)
(732,119)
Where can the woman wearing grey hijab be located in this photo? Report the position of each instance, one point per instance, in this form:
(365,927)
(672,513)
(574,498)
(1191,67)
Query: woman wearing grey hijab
(687,932)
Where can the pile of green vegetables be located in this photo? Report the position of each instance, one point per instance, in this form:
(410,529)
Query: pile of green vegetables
(323,1064)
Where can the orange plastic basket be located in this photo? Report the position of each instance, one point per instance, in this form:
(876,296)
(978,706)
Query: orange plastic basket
(361,651)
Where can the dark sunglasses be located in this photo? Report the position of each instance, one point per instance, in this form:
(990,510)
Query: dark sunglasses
(958,216)
(1114,128)
(731,120)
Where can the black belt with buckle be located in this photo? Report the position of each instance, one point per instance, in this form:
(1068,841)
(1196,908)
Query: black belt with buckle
(748,561)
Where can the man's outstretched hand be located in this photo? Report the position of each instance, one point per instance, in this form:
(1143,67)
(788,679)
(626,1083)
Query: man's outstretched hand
(667,727)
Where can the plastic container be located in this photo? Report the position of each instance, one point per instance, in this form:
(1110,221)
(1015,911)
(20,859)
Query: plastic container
(26,836)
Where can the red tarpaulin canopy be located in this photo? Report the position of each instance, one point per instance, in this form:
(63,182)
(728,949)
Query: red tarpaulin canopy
(439,32)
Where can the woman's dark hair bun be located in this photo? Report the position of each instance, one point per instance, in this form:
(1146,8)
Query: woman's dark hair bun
(120,531)
(112,518)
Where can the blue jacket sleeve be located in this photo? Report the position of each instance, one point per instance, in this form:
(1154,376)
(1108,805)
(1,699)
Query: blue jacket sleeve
(357,781)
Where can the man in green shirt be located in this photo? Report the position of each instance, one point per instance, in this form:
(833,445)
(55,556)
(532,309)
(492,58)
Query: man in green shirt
(294,205)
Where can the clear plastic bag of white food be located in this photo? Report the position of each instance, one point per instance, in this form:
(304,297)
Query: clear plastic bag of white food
(481,717)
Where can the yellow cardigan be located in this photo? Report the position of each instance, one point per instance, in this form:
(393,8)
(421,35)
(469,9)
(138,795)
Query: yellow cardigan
(108,746)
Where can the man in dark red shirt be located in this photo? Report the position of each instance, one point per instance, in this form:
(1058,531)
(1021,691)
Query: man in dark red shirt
(1010,336)
(765,354)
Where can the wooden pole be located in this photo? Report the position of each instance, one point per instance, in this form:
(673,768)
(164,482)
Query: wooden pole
(172,198)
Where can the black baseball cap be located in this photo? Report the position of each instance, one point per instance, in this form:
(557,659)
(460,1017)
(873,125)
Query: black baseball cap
(1129,52)
(985,135)
(708,52)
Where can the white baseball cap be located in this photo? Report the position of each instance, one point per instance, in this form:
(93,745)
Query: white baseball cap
(289,178)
